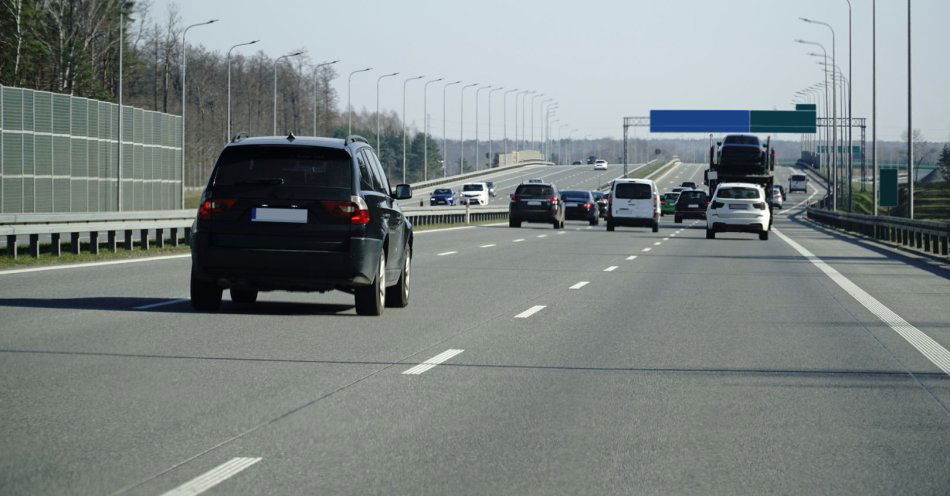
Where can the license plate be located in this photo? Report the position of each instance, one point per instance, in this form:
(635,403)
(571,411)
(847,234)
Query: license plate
(738,206)
(692,205)
(573,204)
(290,215)
(534,203)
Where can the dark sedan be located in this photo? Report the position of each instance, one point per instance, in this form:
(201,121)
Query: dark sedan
(442,196)
(691,205)
(580,205)
(601,199)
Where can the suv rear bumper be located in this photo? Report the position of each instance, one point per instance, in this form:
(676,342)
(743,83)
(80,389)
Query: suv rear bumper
(691,214)
(632,221)
(290,270)
(726,227)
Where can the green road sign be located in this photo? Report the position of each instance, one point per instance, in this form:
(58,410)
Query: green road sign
(782,121)
(888,188)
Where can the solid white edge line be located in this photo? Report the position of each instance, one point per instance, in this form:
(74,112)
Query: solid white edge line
(160,304)
(937,354)
(213,477)
(432,362)
(93,264)
(444,253)
(529,312)
(611,268)
(579,285)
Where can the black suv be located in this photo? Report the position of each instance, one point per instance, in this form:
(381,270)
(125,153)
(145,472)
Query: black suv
(301,214)
(691,205)
(536,202)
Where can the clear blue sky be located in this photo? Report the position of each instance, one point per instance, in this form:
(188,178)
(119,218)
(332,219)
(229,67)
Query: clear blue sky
(602,59)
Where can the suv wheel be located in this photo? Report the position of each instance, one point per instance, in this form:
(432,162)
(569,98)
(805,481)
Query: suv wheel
(205,295)
(656,226)
(678,219)
(514,222)
(595,221)
(371,299)
(710,234)
(764,235)
(243,296)
(398,295)
(610,225)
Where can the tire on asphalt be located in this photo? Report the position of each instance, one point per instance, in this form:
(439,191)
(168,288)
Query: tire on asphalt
(398,296)
(678,219)
(656,226)
(371,299)
(205,295)
(710,234)
(764,235)
(243,296)
(610,226)
(514,223)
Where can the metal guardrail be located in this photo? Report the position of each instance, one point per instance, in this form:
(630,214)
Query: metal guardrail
(928,236)
(458,215)
(483,172)
(177,223)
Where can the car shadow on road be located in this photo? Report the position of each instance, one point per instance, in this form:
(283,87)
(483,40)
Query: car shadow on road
(138,304)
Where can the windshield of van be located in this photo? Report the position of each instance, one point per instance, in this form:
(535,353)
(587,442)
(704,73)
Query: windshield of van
(284,166)
(633,191)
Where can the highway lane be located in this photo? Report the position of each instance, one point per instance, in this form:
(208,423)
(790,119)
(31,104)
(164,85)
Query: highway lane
(705,366)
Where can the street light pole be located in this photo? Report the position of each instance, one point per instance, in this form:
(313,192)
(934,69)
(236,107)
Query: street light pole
(831,177)
(874,186)
(533,97)
(910,126)
(517,96)
(315,96)
(462,126)
(425,126)
(349,88)
(834,111)
(504,112)
(491,155)
(229,82)
(184,101)
(524,120)
(379,150)
(404,83)
(850,123)
(276,62)
(118,168)
(445,150)
(477,91)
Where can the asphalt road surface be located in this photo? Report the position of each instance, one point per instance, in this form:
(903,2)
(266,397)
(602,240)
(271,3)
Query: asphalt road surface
(530,361)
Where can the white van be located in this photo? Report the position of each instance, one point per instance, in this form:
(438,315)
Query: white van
(474,194)
(798,182)
(633,202)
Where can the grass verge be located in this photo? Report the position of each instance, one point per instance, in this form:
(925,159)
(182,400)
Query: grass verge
(25,260)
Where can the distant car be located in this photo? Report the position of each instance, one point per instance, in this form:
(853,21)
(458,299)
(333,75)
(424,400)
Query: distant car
(536,202)
(474,193)
(633,202)
(668,203)
(782,189)
(600,164)
(688,184)
(776,197)
(738,207)
(690,205)
(576,162)
(442,196)
(798,182)
(491,188)
(580,205)
(535,180)
(591,159)
(301,214)
(601,200)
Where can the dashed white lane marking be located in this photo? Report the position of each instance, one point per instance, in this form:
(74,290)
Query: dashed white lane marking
(432,362)
(529,312)
(632,257)
(561,232)
(213,477)
(518,240)
(542,235)
(160,304)
(672,235)
(611,268)
(487,246)
(646,249)
(657,243)
(444,253)
(579,285)
(666,239)
(934,352)
(92,264)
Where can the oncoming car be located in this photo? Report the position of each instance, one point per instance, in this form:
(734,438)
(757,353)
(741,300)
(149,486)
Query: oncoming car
(738,207)
(600,164)
(442,196)
(474,194)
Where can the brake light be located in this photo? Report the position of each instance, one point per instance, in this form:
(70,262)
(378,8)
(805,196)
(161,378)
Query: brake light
(553,200)
(355,210)
(214,205)
(514,197)
(587,205)
(716,205)
(759,205)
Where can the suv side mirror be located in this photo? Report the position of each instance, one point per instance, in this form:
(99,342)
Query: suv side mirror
(403,192)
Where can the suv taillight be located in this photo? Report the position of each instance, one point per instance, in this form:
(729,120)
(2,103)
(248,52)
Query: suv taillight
(759,205)
(514,197)
(214,205)
(716,205)
(587,205)
(553,200)
(355,210)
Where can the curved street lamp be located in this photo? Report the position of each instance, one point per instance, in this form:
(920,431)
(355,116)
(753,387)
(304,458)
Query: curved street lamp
(477,91)
(425,127)
(229,82)
(445,150)
(349,88)
(504,117)
(491,156)
(379,150)
(315,69)
(184,105)
(404,83)
(462,125)
(276,62)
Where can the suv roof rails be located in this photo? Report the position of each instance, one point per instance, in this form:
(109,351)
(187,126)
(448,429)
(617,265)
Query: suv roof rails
(239,137)
(353,138)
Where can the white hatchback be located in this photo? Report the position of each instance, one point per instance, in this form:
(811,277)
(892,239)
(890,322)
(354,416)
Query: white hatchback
(600,165)
(633,202)
(738,207)
(474,194)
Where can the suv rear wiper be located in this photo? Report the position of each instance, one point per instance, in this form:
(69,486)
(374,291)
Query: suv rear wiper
(267,181)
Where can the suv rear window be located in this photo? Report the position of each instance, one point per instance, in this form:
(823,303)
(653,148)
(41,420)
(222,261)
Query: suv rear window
(633,191)
(738,193)
(534,190)
(692,195)
(285,165)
